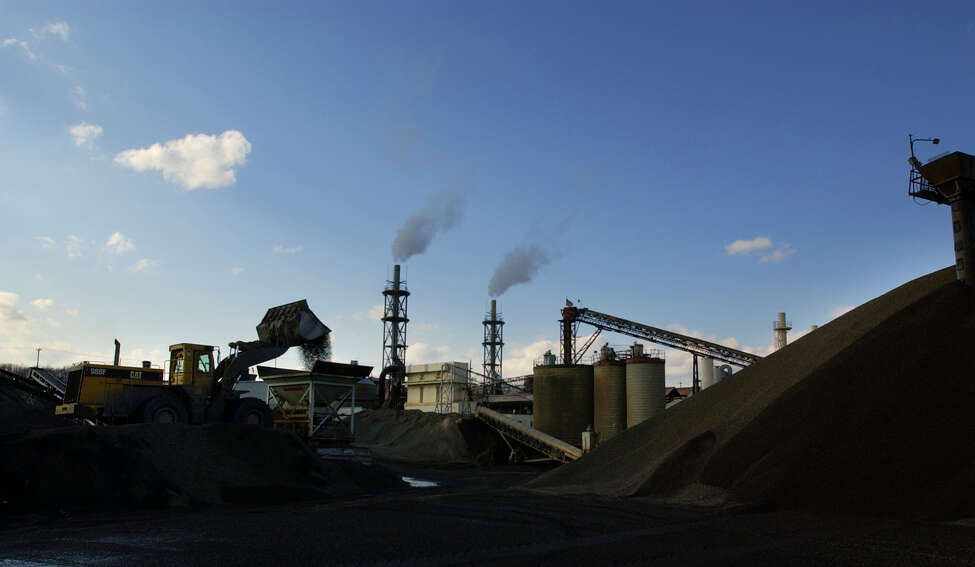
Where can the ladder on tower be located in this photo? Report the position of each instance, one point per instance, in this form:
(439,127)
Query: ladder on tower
(445,390)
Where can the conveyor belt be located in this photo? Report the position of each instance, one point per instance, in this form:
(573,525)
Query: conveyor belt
(542,442)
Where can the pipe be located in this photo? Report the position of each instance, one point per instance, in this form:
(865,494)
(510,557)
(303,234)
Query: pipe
(394,335)
(118,352)
(494,338)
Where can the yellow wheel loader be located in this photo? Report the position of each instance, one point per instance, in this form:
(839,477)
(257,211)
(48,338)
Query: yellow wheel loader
(197,391)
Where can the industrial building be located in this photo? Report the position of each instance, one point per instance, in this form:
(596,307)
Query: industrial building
(440,387)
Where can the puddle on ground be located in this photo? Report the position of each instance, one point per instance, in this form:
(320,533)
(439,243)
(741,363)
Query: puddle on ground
(419,483)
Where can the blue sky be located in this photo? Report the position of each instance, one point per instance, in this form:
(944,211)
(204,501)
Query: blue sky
(630,142)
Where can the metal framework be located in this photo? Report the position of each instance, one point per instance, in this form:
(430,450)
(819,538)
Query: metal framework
(585,347)
(949,179)
(493,345)
(572,315)
(394,319)
(313,411)
(445,394)
(918,186)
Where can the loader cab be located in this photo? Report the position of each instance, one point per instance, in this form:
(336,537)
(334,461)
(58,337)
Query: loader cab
(191,364)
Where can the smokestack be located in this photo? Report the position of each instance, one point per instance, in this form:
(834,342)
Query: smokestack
(493,344)
(394,320)
(395,331)
(118,352)
(780,327)
(494,334)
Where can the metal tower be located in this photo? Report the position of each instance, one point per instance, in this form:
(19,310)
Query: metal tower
(949,180)
(394,321)
(780,326)
(493,344)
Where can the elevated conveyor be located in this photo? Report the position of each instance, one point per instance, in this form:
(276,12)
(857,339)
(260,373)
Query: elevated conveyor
(544,443)
(49,381)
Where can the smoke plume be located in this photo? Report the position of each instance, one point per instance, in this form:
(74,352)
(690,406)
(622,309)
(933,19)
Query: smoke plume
(519,266)
(441,212)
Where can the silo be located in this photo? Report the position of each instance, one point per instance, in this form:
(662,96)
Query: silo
(705,366)
(563,401)
(609,396)
(645,389)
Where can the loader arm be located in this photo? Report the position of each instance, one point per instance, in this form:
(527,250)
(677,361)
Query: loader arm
(283,327)
(230,369)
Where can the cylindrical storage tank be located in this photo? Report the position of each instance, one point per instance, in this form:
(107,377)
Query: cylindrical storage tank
(609,397)
(645,389)
(705,366)
(562,404)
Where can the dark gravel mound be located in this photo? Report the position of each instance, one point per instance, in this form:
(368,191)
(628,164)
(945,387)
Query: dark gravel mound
(155,465)
(413,436)
(870,414)
(24,408)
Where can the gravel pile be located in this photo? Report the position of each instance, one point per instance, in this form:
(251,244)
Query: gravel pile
(413,436)
(870,414)
(157,465)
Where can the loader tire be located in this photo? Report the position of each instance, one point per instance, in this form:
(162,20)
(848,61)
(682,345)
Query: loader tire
(251,411)
(164,409)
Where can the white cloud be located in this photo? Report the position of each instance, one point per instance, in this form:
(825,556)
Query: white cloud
(423,353)
(59,28)
(280,249)
(236,271)
(78,96)
(12,41)
(195,161)
(72,313)
(46,241)
(519,361)
(840,310)
(743,247)
(8,307)
(376,312)
(143,265)
(61,68)
(84,134)
(783,252)
(74,246)
(52,322)
(748,246)
(42,303)
(23,46)
(118,243)
(135,356)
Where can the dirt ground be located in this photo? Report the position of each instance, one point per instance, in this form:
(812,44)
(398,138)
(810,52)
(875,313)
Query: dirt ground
(471,519)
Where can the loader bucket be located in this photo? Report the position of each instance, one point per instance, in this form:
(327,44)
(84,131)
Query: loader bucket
(292,324)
